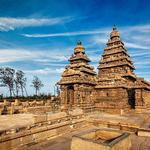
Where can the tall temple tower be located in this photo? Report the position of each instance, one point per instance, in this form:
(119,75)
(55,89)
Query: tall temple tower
(78,79)
(117,85)
(115,62)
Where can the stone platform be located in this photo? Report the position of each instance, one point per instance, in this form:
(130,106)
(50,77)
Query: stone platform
(56,129)
(129,121)
(64,142)
(8,122)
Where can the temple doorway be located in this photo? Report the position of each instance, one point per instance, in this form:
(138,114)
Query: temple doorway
(70,95)
(131,98)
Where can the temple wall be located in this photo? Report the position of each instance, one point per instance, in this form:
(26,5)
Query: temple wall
(146,97)
(110,94)
(138,97)
(86,94)
(82,94)
(142,97)
(111,98)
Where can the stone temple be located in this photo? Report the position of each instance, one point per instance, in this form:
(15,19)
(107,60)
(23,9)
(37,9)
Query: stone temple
(92,112)
(114,87)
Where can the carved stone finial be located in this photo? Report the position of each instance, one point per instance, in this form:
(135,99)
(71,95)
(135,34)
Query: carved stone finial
(114,27)
(79,42)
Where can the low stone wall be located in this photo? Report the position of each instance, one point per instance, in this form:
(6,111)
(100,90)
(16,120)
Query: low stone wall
(44,126)
(101,139)
(43,106)
(144,132)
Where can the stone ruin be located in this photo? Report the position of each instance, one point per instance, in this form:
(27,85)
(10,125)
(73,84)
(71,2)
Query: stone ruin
(115,87)
(36,106)
(85,98)
(101,139)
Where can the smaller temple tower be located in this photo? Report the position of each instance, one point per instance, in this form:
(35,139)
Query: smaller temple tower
(78,79)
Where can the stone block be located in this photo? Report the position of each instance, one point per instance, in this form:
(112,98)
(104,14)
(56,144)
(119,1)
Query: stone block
(17,102)
(39,118)
(26,139)
(76,112)
(11,144)
(44,135)
(145,133)
(56,116)
(101,139)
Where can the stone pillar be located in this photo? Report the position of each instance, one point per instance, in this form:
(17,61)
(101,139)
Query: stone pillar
(76,95)
(63,95)
(5,103)
(138,97)
(17,102)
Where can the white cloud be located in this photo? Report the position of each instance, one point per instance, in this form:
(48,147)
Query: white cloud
(100,40)
(45,71)
(8,23)
(12,55)
(98,31)
(134,45)
(140,28)
(140,53)
(134,36)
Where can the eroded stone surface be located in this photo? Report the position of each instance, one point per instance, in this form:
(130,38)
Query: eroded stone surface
(115,87)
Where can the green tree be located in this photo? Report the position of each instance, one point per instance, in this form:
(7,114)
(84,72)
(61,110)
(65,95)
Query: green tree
(7,79)
(20,82)
(37,84)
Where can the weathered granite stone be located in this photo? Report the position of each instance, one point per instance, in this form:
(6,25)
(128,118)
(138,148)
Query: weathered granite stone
(101,139)
(115,87)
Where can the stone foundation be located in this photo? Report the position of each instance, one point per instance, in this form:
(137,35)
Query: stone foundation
(101,139)
(42,128)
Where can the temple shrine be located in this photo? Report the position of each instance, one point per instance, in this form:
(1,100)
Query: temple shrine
(115,86)
(78,79)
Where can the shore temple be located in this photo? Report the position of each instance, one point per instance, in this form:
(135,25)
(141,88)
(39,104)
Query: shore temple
(116,86)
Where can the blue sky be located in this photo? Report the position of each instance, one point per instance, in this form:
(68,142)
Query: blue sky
(38,36)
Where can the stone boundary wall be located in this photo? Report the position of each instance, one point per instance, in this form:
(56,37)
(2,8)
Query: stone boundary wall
(7,107)
(44,126)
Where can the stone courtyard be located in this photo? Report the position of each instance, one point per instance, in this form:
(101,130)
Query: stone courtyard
(53,131)
(64,143)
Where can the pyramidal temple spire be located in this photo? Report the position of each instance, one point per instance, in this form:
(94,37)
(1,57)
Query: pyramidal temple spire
(114,34)
(115,59)
(78,78)
(79,42)
(114,27)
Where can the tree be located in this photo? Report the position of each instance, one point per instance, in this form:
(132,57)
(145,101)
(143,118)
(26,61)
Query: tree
(37,84)
(20,82)
(7,79)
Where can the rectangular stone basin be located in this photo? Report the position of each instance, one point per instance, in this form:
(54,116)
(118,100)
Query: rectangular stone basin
(101,139)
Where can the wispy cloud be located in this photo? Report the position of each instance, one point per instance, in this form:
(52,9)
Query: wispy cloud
(140,28)
(98,31)
(13,55)
(45,71)
(134,45)
(137,34)
(8,23)
(140,53)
